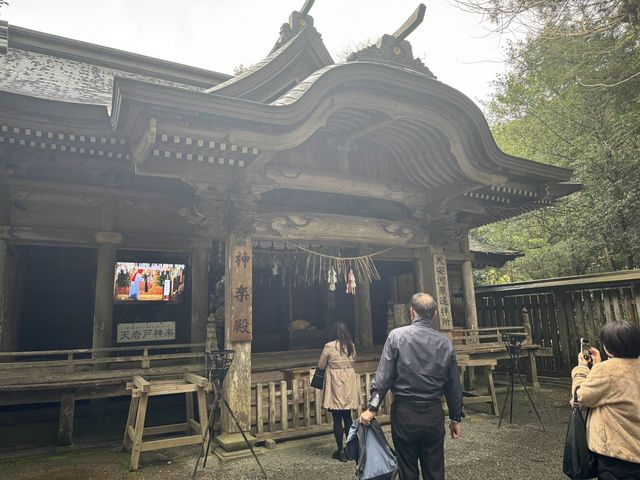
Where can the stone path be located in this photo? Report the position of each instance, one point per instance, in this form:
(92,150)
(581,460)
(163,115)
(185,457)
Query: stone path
(521,451)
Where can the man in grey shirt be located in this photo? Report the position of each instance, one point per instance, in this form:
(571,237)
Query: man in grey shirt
(419,365)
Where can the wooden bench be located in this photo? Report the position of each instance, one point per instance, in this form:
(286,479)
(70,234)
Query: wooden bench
(141,391)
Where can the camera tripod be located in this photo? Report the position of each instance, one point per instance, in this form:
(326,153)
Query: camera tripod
(513,344)
(216,365)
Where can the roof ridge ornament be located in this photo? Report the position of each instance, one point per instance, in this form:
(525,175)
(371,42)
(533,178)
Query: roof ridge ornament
(394,49)
(297,21)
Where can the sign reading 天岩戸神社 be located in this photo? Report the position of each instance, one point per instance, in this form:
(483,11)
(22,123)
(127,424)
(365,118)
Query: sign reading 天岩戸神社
(146,332)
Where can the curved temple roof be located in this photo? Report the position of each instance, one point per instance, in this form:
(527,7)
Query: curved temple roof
(435,136)
(381,120)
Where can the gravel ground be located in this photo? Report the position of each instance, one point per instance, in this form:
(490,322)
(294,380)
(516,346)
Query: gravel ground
(521,450)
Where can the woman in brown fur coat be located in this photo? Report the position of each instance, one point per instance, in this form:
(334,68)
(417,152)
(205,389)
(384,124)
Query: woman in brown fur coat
(611,391)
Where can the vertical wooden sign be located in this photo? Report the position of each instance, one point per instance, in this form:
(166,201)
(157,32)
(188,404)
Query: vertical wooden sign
(241,283)
(442,292)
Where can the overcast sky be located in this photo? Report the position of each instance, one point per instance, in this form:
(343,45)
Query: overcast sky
(221,34)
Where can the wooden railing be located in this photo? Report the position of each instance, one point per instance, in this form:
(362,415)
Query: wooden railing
(561,311)
(280,409)
(470,337)
(68,368)
(98,356)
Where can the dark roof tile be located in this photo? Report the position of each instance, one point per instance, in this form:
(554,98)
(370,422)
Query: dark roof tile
(55,78)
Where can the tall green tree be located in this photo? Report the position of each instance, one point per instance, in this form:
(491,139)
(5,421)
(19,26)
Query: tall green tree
(571,97)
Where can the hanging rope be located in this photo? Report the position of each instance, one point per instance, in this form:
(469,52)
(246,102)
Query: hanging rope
(319,264)
(341,258)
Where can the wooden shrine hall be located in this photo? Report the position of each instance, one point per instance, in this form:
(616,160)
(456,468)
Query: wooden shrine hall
(145,203)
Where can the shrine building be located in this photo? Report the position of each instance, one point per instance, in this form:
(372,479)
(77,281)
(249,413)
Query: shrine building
(145,203)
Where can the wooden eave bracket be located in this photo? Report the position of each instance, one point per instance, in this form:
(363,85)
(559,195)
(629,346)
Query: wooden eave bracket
(143,141)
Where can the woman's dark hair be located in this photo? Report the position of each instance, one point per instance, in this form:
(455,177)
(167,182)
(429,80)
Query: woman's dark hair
(621,339)
(340,332)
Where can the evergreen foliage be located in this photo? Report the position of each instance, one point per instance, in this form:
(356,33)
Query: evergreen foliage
(571,97)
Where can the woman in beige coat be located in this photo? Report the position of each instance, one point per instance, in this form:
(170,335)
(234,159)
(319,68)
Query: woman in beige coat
(341,390)
(611,391)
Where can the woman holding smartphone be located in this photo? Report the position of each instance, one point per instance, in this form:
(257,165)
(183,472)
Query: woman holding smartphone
(611,391)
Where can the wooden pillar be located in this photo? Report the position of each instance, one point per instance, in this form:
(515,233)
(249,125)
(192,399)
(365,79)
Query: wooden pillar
(285,315)
(468,289)
(470,310)
(199,293)
(211,340)
(526,323)
(532,367)
(393,288)
(419,272)
(12,285)
(65,421)
(5,220)
(4,299)
(238,331)
(533,370)
(431,273)
(365,326)
(103,308)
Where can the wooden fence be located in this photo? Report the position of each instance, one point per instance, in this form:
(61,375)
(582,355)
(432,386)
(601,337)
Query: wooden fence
(562,310)
(281,408)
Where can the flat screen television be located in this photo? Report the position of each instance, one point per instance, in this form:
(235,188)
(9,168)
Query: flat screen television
(148,282)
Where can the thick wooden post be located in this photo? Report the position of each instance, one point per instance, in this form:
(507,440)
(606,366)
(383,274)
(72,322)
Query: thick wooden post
(238,331)
(4,299)
(5,219)
(468,289)
(526,323)
(65,421)
(470,310)
(12,285)
(424,271)
(211,341)
(103,308)
(532,367)
(199,294)
(365,326)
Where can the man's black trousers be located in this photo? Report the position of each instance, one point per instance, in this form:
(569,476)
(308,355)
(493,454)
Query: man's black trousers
(417,429)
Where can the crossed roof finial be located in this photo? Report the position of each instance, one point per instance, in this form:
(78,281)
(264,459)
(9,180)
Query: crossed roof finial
(395,49)
(306,7)
(410,25)
(297,21)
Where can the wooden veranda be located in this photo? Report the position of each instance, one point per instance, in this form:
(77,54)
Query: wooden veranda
(66,376)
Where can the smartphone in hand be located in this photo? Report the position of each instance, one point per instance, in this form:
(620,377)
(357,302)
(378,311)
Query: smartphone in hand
(585,348)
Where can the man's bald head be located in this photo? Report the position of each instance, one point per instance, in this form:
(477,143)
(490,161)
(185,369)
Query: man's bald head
(424,305)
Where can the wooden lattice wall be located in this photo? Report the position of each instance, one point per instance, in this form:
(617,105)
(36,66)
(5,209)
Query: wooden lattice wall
(562,311)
